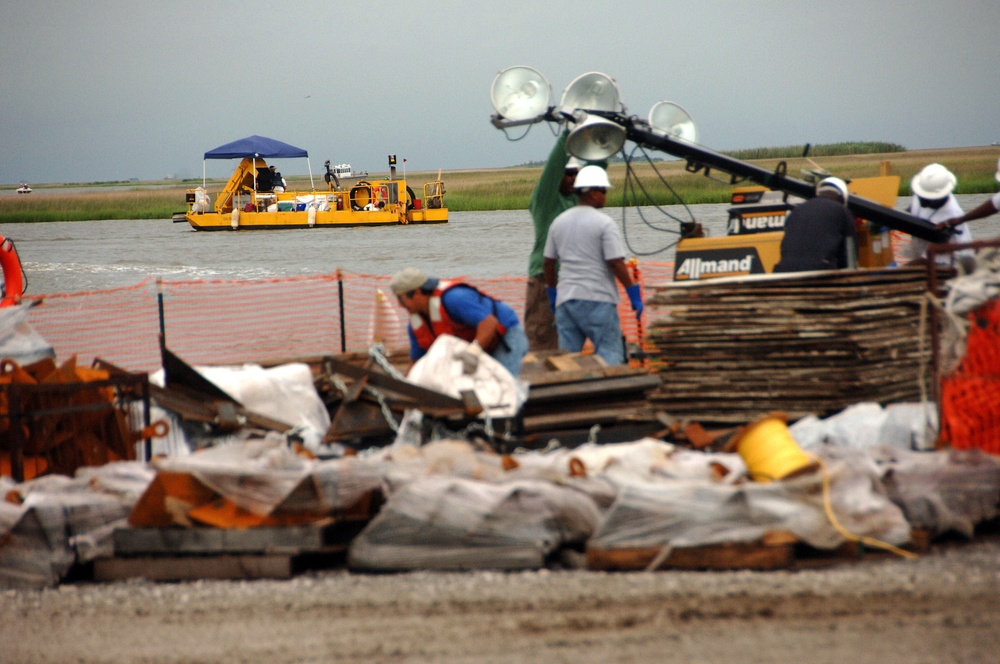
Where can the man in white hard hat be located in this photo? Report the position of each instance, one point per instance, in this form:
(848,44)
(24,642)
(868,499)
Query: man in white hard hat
(553,194)
(585,243)
(934,201)
(439,307)
(820,233)
(989,207)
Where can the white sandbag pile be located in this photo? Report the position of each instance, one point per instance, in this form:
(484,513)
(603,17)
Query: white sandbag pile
(450,505)
(455,523)
(49,524)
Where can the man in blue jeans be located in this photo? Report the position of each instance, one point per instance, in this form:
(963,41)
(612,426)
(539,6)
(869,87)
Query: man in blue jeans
(446,307)
(585,243)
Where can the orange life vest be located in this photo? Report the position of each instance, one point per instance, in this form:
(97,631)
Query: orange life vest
(438,322)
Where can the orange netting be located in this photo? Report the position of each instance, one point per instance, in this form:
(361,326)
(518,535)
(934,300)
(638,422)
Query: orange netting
(970,397)
(238,321)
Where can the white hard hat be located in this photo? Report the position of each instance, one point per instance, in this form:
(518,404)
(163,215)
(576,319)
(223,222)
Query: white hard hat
(574,164)
(934,181)
(833,184)
(591,176)
(998,170)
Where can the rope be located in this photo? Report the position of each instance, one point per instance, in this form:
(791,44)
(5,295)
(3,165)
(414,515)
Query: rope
(828,508)
(377,353)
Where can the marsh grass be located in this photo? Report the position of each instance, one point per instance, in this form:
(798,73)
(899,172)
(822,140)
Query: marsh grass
(510,188)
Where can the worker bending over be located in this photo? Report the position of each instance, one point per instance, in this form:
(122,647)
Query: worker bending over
(439,307)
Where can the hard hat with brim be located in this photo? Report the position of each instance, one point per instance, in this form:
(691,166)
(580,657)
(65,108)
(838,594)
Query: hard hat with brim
(407,280)
(592,177)
(833,184)
(933,182)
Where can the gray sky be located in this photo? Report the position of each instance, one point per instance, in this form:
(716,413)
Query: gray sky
(111,90)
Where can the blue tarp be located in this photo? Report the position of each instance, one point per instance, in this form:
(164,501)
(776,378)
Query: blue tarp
(256,146)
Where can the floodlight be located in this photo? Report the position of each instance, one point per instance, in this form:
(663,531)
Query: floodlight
(595,138)
(668,118)
(520,93)
(592,91)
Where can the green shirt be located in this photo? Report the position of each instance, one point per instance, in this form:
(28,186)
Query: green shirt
(546,201)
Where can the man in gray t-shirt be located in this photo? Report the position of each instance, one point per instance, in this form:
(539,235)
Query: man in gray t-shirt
(588,249)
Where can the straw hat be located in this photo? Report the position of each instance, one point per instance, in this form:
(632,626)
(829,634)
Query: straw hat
(933,182)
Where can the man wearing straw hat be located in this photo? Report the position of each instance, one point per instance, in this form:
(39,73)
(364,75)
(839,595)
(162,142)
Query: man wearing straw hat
(934,201)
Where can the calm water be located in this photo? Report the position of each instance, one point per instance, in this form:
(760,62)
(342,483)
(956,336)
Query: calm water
(67,257)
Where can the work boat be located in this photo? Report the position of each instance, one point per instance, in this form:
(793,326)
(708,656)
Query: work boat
(24,188)
(252,200)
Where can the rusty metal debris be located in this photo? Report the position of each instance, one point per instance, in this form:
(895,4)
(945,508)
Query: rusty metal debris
(57,419)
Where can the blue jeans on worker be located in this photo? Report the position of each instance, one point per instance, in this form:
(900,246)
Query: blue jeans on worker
(579,320)
(512,349)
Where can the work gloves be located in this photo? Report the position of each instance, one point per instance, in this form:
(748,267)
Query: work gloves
(635,297)
(470,358)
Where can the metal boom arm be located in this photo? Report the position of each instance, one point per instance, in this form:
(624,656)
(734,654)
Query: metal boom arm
(699,157)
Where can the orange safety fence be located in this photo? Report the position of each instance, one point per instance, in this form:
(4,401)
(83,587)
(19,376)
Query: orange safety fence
(248,321)
(970,396)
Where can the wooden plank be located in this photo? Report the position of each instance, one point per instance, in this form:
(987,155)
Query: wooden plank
(175,541)
(586,418)
(755,556)
(425,397)
(187,568)
(606,388)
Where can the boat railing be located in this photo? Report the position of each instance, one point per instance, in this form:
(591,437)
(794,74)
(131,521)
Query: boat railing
(434,195)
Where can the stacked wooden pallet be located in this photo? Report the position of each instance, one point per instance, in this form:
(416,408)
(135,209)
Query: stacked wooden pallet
(576,398)
(180,554)
(730,350)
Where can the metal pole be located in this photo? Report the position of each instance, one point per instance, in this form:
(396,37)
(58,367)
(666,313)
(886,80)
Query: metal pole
(699,158)
(340,294)
(159,302)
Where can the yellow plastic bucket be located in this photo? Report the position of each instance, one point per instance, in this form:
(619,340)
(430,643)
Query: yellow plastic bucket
(770,452)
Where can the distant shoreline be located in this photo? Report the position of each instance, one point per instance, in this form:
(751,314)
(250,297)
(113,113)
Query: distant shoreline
(507,188)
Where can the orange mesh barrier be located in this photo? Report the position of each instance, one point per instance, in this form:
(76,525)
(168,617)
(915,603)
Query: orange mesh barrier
(119,325)
(268,320)
(970,397)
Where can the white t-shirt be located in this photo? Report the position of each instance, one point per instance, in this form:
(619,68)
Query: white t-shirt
(917,248)
(583,239)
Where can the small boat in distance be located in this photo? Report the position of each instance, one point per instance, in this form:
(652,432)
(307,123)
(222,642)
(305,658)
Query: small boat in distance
(23,188)
(256,197)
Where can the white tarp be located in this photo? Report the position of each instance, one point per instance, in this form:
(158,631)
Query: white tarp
(19,341)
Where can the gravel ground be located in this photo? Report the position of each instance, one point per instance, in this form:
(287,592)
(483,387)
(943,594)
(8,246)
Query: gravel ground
(941,607)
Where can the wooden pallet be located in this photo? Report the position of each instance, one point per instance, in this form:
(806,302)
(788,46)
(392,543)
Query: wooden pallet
(773,551)
(181,554)
(776,550)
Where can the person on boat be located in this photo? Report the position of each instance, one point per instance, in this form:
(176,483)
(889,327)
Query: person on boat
(265,179)
(590,255)
(934,201)
(439,307)
(278,181)
(988,208)
(553,194)
(820,233)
